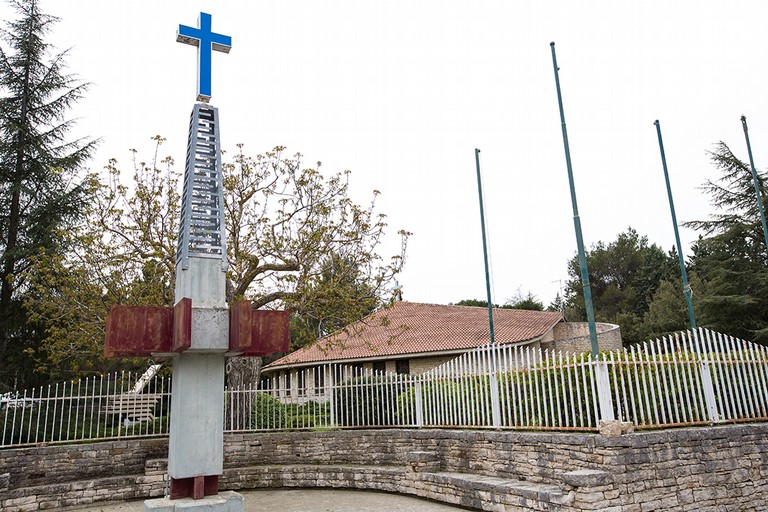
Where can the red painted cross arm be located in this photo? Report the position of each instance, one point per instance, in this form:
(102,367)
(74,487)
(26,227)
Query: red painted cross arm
(257,332)
(141,331)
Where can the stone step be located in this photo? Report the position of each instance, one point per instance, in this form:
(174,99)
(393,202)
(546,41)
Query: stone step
(479,490)
(475,491)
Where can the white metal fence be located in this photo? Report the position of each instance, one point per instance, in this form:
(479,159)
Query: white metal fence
(682,379)
(94,408)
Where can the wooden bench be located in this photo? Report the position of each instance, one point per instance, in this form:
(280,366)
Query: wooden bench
(135,407)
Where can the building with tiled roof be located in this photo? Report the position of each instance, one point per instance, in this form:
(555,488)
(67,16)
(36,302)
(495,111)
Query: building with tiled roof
(413,338)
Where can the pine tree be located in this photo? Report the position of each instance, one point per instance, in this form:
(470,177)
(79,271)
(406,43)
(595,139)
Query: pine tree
(731,258)
(733,196)
(38,165)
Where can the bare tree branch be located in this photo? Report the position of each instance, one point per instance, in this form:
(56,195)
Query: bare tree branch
(271,297)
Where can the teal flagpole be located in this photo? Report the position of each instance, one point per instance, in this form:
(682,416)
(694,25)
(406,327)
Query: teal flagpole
(485,245)
(576,221)
(683,273)
(755,181)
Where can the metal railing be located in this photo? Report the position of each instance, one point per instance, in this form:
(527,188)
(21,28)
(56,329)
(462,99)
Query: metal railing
(689,378)
(103,407)
(684,379)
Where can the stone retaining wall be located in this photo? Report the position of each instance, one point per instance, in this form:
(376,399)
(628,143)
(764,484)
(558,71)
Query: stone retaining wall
(718,468)
(29,467)
(539,457)
(573,337)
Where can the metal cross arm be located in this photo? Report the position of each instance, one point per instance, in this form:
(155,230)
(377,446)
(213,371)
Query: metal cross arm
(143,331)
(206,40)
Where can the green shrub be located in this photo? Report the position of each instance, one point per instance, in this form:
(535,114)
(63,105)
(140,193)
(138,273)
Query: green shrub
(269,413)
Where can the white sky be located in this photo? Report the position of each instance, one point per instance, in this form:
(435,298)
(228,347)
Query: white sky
(402,91)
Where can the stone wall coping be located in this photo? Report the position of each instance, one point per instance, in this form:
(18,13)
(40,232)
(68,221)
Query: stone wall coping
(587,478)
(497,485)
(589,439)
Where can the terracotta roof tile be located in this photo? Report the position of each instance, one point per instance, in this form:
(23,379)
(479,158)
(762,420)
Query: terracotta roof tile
(414,328)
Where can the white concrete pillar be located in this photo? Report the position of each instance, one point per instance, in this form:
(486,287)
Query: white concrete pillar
(196,445)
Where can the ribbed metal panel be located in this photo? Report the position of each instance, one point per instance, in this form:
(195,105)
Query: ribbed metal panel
(201,231)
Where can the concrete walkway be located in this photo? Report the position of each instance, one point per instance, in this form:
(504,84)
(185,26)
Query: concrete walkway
(309,500)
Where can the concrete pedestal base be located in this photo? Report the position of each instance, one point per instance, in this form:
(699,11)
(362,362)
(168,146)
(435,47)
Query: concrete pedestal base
(226,501)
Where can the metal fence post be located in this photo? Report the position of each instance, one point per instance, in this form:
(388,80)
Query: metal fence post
(709,391)
(604,390)
(419,405)
(703,353)
(703,350)
(331,374)
(495,401)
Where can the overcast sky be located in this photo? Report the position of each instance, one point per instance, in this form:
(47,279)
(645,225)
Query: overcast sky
(401,92)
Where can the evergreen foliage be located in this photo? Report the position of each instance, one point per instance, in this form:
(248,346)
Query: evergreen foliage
(367,400)
(475,303)
(732,258)
(39,194)
(668,311)
(528,302)
(624,276)
(637,286)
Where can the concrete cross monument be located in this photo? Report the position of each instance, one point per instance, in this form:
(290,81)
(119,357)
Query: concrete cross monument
(200,331)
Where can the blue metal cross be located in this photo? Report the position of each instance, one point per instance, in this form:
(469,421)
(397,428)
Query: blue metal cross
(206,40)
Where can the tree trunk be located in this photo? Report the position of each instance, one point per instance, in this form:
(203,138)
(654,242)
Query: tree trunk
(243,375)
(6,275)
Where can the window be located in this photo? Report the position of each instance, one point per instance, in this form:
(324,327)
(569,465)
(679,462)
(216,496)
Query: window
(380,366)
(402,367)
(287,382)
(357,370)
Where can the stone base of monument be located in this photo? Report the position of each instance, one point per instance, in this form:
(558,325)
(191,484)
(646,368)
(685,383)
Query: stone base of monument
(226,501)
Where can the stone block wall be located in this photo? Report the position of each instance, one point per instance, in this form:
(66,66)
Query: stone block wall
(573,337)
(718,468)
(538,457)
(58,476)
(701,469)
(683,469)
(421,365)
(55,464)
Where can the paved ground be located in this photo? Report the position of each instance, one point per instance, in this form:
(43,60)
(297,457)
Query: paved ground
(311,500)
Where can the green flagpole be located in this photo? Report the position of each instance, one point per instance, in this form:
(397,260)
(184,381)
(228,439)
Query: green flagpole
(683,273)
(576,220)
(485,245)
(755,181)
